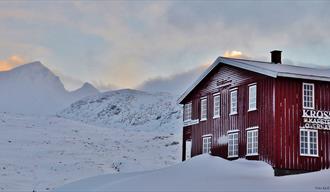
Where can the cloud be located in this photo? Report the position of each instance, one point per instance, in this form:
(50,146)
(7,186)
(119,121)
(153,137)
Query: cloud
(11,62)
(235,54)
(156,39)
(102,86)
(175,84)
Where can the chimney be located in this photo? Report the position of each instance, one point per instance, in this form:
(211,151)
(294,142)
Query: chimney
(276,56)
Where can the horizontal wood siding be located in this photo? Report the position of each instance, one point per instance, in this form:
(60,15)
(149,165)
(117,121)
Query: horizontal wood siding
(288,123)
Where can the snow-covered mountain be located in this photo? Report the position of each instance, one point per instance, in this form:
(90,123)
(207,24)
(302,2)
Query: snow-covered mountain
(128,109)
(34,89)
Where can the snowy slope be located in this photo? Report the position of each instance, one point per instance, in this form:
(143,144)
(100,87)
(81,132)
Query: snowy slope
(128,109)
(39,153)
(205,173)
(34,89)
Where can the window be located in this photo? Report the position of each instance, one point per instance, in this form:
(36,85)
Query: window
(308,142)
(233,145)
(252,97)
(203,109)
(252,142)
(216,106)
(308,95)
(207,141)
(233,102)
(187,112)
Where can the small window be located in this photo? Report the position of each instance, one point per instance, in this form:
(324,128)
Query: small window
(203,109)
(308,95)
(252,97)
(308,142)
(233,102)
(252,142)
(216,106)
(207,141)
(187,112)
(233,145)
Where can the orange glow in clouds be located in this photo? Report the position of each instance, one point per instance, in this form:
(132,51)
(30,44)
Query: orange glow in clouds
(233,54)
(11,62)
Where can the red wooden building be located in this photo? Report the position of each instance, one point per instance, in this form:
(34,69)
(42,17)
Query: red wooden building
(257,110)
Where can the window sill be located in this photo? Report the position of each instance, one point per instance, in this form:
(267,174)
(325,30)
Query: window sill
(306,155)
(203,120)
(253,109)
(313,108)
(215,117)
(235,113)
(252,154)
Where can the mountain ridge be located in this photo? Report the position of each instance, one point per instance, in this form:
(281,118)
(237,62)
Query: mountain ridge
(33,88)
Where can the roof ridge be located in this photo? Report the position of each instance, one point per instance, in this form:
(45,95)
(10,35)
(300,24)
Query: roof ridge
(248,60)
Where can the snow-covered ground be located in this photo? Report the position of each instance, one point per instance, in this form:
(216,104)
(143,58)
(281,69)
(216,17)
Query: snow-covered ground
(39,153)
(205,173)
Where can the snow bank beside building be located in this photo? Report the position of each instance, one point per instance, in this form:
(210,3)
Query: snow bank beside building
(205,173)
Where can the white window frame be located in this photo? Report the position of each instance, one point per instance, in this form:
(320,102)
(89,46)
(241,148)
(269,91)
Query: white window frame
(216,105)
(207,144)
(203,109)
(252,100)
(313,96)
(232,107)
(233,144)
(187,112)
(309,131)
(254,142)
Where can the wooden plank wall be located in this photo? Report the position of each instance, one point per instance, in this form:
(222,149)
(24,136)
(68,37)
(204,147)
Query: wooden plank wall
(263,117)
(288,122)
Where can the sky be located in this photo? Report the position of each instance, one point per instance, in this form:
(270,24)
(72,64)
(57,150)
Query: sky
(132,44)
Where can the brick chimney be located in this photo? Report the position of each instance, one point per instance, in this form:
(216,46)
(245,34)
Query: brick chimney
(276,56)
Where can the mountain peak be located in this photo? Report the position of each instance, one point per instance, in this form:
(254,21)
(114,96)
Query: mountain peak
(35,67)
(85,90)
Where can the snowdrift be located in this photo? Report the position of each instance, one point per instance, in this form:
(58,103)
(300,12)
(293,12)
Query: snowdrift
(205,173)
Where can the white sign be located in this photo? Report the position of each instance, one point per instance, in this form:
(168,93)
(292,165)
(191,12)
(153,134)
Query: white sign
(316,119)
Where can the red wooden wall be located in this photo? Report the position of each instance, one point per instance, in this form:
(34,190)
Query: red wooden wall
(278,116)
(288,122)
(262,117)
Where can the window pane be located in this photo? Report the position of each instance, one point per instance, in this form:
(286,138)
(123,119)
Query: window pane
(252,97)
(233,102)
(308,94)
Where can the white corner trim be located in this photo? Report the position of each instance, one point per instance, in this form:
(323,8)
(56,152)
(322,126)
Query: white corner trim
(233,131)
(252,128)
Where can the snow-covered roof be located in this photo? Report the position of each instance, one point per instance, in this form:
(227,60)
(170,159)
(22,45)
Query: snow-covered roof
(265,68)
